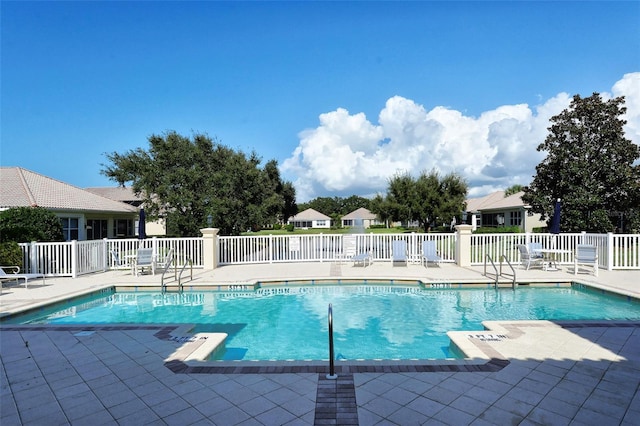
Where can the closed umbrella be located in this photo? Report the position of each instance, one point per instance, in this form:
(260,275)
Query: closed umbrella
(142,227)
(555,220)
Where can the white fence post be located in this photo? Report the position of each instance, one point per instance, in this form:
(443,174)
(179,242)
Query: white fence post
(210,247)
(610,249)
(33,259)
(270,248)
(463,245)
(106,254)
(74,258)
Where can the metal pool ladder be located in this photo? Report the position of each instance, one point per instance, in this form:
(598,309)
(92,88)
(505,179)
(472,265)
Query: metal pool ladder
(178,276)
(499,273)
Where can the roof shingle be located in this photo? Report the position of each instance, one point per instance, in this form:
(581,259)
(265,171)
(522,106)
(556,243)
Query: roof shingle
(23,188)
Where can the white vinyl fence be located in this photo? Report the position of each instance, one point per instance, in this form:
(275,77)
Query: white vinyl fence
(74,258)
(323,248)
(615,251)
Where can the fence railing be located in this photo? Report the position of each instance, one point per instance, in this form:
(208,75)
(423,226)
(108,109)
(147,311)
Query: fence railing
(615,251)
(74,258)
(184,250)
(325,247)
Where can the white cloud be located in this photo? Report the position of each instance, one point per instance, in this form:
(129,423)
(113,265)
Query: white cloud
(347,154)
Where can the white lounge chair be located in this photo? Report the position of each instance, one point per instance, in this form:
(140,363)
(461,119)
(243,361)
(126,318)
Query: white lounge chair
(144,259)
(348,247)
(430,253)
(16,275)
(115,257)
(399,252)
(527,259)
(363,259)
(586,254)
(535,250)
(166,264)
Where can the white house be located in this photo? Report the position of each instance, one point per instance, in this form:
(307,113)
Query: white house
(310,218)
(84,215)
(360,217)
(497,210)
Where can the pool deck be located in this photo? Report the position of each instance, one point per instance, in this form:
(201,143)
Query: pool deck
(519,372)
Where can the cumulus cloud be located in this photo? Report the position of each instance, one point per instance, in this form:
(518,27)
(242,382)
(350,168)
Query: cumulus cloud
(347,154)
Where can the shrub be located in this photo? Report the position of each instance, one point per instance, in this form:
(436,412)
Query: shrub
(498,230)
(26,224)
(290,227)
(10,254)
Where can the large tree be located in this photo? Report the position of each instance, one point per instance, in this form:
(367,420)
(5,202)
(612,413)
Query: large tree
(428,199)
(189,180)
(589,166)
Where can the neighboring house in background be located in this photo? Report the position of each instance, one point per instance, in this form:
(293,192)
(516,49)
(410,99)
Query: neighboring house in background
(126,195)
(84,215)
(360,217)
(496,210)
(310,218)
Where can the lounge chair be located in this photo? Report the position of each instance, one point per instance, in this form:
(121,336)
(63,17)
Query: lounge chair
(527,259)
(586,254)
(144,259)
(429,253)
(16,275)
(535,250)
(166,264)
(363,259)
(115,257)
(399,252)
(348,247)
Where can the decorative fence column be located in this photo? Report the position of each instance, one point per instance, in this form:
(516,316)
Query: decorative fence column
(463,245)
(210,247)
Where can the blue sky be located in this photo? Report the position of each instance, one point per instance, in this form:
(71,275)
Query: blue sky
(342,94)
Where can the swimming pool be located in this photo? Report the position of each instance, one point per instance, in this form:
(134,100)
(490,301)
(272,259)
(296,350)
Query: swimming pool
(370,322)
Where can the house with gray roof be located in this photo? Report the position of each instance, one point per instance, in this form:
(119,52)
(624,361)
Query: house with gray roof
(125,194)
(360,218)
(496,210)
(84,215)
(310,218)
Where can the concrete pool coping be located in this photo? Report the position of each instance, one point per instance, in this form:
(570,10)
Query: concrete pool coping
(471,345)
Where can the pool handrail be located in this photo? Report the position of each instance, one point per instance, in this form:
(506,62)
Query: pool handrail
(513,274)
(488,257)
(332,373)
(190,263)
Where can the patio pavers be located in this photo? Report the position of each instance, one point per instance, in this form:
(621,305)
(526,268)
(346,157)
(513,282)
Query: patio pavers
(582,374)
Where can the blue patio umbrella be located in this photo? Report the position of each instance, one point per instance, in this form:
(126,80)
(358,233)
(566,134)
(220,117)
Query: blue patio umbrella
(555,220)
(142,227)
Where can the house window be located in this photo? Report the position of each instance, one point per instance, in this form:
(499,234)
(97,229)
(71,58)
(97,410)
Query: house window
(123,228)
(96,229)
(493,219)
(70,228)
(347,222)
(302,224)
(321,223)
(516,218)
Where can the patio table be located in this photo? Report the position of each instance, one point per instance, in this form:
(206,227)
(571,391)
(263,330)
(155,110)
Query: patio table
(551,257)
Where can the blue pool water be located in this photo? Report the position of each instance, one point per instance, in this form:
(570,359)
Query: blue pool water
(370,322)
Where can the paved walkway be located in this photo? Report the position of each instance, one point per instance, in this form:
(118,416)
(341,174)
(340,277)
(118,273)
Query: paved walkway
(534,372)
